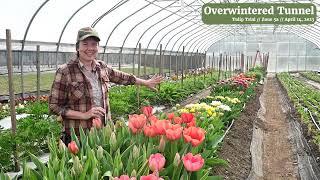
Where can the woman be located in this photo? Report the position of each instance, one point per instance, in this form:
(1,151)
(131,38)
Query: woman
(79,92)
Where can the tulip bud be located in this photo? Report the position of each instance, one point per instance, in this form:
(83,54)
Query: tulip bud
(113,141)
(176,160)
(60,176)
(77,165)
(100,153)
(119,124)
(62,146)
(73,148)
(136,152)
(107,131)
(97,123)
(55,163)
(162,144)
(95,174)
(134,173)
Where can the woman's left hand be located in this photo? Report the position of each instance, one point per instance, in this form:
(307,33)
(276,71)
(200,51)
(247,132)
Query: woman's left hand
(151,83)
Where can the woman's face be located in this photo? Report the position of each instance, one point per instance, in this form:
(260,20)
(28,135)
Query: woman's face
(88,49)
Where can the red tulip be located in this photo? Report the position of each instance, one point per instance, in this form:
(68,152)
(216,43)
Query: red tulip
(147,110)
(192,123)
(192,163)
(161,126)
(96,122)
(156,162)
(149,131)
(195,135)
(170,116)
(137,122)
(187,117)
(174,132)
(73,148)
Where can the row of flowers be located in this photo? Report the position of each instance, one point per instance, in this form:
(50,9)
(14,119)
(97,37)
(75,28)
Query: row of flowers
(150,147)
(177,145)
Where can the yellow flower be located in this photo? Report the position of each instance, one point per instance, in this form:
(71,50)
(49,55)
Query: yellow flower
(192,110)
(184,111)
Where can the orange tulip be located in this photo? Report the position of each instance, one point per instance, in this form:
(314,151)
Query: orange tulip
(96,122)
(149,131)
(137,122)
(156,162)
(147,110)
(194,135)
(174,132)
(177,120)
(192,163)
(73,148)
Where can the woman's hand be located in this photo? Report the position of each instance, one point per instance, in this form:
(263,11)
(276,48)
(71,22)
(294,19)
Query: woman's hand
(96,112)
(150,83)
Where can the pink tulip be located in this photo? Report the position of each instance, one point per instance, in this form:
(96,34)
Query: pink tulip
(137,122)
(156,162)
(153,119)
(174,132)
(195,135)
(73,148)
(161,126)
(149,131)
(150,177)
(96,122)
(147,110)
(192,163)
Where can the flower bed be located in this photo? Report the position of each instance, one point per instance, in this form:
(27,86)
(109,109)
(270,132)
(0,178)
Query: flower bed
(180,144)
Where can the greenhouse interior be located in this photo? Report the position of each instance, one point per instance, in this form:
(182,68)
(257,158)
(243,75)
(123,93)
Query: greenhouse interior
(153,89)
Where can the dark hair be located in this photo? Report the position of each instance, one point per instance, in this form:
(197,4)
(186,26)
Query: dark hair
(77,49)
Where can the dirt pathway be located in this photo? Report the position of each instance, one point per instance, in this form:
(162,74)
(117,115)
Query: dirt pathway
(278,160)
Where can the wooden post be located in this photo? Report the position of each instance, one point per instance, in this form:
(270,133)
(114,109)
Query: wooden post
(170,65)
(160,61)
(144,64)
(38,72)
(220,62)
(182,69)
(177,64)
(12,97)
(120,56)
(139,66)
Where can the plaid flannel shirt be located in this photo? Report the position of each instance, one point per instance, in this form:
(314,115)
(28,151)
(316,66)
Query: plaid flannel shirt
(71,90)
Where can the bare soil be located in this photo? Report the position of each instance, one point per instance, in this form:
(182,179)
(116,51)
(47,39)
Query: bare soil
(278,157)
(236,145)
